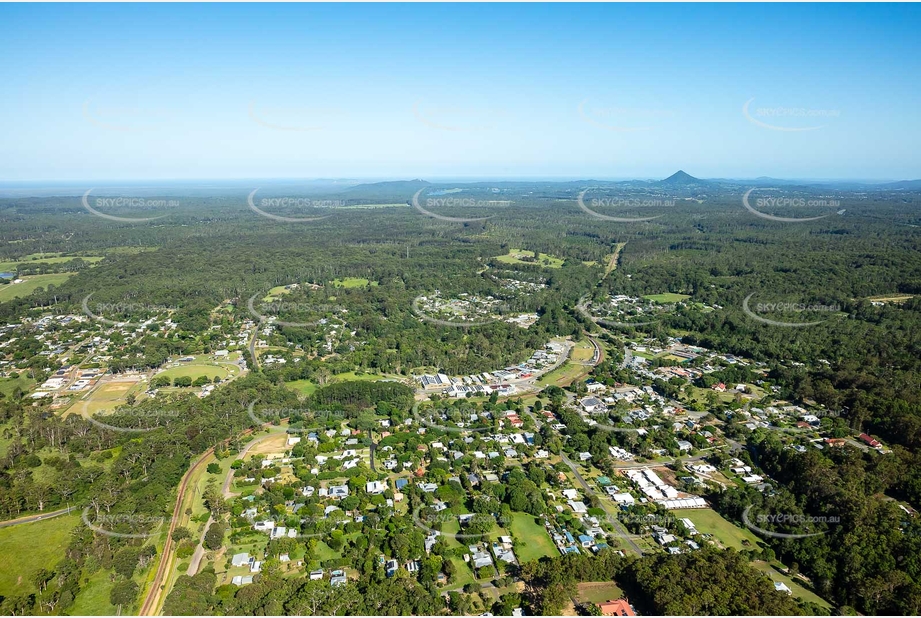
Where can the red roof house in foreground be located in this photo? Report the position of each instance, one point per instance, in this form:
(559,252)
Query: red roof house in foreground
(620,607)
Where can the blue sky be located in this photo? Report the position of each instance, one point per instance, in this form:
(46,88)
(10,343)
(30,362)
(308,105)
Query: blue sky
(111,92)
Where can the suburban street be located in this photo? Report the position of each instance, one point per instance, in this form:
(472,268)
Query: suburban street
(622,532)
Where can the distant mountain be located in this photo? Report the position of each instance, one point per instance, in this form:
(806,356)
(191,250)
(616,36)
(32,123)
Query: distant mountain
(392,189)
(903,184)
(681,179)
(391,185)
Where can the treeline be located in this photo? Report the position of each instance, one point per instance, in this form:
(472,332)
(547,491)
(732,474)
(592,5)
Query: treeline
(864,552)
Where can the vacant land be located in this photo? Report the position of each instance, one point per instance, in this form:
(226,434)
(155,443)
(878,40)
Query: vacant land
(33,547)
(32,260)
(304,387)
(708,521)
(877,299)
(666,297)
(523,256)
(23,382)
(599,592)
(612,259)
(583,352)
(352,282)
(31,283)
(93,598)
(799,591)
(535,542)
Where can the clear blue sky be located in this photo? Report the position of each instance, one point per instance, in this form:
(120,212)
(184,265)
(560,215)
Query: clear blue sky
(605,91)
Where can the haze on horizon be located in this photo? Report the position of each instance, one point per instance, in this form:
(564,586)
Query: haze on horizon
(134,92)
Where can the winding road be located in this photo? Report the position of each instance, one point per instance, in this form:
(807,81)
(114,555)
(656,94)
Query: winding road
(37,517)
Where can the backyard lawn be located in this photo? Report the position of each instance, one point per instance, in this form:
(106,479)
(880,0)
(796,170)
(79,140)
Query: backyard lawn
(535,542)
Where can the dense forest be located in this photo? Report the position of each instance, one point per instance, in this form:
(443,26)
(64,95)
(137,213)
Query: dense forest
(201,263)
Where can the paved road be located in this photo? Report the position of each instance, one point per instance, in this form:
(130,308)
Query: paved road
(199,553)
(38,517)
(252,346)
(199,550)
(622,532)
(156,590)
(373,448)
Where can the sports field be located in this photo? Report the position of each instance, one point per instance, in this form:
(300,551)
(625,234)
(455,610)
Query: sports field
(196,370)
(107,396)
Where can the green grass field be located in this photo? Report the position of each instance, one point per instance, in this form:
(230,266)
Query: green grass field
(536,543)
(8,385)
(194,371)
(708,521)
(10,291)
(352,282)
(351,376)
(599,592)
(105,398)
(799,591)
(667,297)
(304,387)
(583,351)
(462,576)
(275,292)
(32,260)
(32,547)
(93,598)
(514,257)
(563,375)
